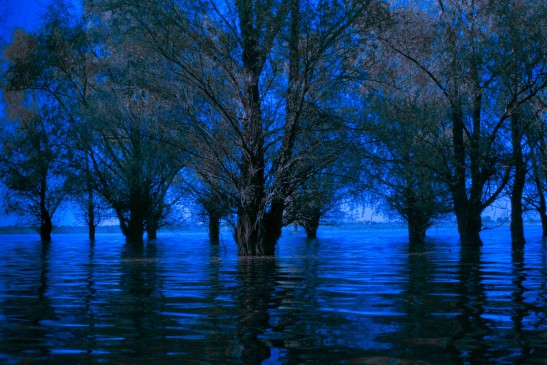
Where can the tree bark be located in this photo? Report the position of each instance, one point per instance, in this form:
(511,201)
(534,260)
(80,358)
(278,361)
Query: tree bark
(250,228)
(544,223)
(311,226)
(90,215)
(417,227)
(133,227)
(469,228)
(517,223)
(467,210)
(152,229)
(541,206)
(46,226)
(214,227)
(133,231)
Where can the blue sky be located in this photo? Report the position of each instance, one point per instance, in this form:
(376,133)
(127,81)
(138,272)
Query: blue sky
(18,14)
(22,14)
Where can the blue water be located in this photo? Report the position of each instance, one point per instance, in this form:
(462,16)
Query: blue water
(353,296)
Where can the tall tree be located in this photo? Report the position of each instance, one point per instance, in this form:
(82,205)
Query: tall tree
(401,155)
(455,46)
(33,162)
(522,26)
(258,64)
(536,135)
(64,66)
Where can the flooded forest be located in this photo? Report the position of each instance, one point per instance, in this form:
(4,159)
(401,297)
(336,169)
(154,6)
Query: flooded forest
(265,125)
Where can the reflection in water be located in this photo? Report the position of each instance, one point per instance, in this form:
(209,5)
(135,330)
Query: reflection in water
(517,296)
(427,336)
(139,306)
(27,309)
(89,297)
(470,303)
(257,278)
(359,297)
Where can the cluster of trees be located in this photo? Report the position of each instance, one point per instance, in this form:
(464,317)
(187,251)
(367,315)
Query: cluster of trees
(270,112)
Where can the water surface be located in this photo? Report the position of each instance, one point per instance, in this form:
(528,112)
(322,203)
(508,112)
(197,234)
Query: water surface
(350,297)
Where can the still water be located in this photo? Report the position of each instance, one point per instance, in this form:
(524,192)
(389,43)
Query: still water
(350,297)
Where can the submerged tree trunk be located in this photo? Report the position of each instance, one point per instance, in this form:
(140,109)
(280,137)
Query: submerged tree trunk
(46,228)
(91,226)
(152,228)
(46,225)
(542,210)
(469,223)
(311,226)
(417,227)
(133,225)
(251,233)
(541,206)
(133,230)
(214,227)
(517,223)
(467,209)
(544,224)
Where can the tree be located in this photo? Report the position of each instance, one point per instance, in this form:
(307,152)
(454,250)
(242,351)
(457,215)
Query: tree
(62,64)
(32,166)
(233,56)
(132,166)
(455,47)
(523,48)
(403,146)
(316,201)
(534,194)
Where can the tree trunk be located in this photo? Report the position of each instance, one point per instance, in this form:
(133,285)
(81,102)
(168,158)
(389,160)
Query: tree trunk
(91,230)
(152,229)
(214,227)
(467,210)
(91,224)
(134,226)
(541,208)
(258,237)
(250,228)
(311,226)
(469,228)
(133,231)
(90,216)
(469,221)
(46,228)
(517,224)
(544,223)
(417,227)
(250,234)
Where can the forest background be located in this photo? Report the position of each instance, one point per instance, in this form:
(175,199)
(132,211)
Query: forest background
(263,114)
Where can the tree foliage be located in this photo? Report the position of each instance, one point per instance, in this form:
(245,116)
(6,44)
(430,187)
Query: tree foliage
(268,112)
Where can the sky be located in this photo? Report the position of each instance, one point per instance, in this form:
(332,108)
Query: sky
(18,14)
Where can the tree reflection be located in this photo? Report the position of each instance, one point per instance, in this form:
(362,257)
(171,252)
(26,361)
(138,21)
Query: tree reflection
(256,277)
(427,334)
(138,309)
(519,309)
(28,308)
(471,340)
(90,294)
